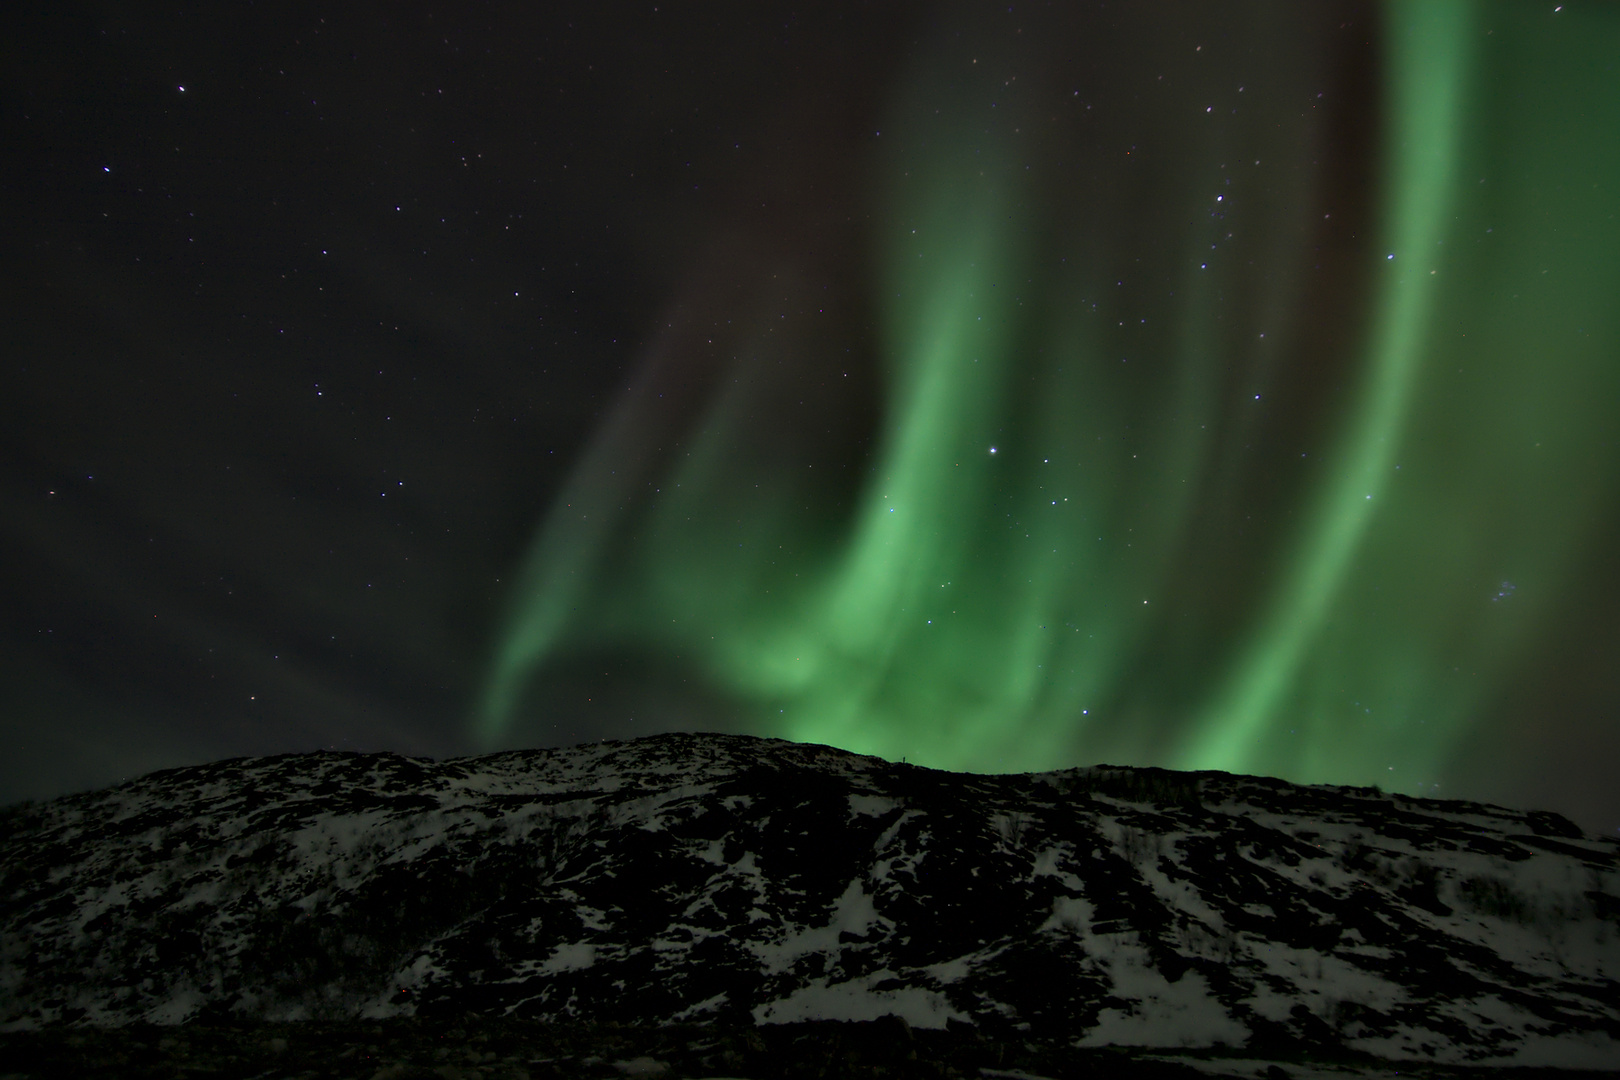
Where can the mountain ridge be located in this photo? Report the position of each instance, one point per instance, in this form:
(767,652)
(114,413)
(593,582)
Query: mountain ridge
(691,877)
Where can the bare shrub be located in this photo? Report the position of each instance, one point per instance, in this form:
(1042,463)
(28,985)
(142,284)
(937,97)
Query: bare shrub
(1140,846)
(1487,895)
(1158,786)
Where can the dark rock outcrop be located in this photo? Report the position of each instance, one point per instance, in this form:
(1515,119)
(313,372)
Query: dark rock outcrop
(739,881)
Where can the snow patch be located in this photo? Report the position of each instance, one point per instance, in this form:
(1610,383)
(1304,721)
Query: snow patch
(571,956)
(1163,1013)
(857,1000)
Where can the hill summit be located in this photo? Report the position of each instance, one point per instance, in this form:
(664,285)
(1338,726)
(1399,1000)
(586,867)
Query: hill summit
(695,878)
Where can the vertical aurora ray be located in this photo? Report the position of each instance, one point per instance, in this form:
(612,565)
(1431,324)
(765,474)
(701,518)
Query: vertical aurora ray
(1472,475)
(1255,502)
(1428,62)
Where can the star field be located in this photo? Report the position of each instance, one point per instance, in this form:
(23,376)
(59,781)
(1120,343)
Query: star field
(998,389)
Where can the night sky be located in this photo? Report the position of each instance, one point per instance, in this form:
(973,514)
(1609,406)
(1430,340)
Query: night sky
(998,387)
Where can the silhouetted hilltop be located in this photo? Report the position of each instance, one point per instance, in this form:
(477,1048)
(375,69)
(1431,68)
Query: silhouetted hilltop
(734,881)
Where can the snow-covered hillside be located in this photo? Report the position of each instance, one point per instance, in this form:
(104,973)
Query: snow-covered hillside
(686,877)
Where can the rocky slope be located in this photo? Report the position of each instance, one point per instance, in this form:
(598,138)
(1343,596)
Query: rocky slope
(740,881)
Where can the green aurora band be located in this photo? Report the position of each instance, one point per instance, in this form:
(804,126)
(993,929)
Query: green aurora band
(1134,497)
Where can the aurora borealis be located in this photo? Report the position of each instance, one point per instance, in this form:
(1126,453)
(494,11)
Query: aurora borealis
(1153,484)
(1208,385)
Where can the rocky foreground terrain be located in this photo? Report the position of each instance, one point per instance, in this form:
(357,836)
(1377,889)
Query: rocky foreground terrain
(471,1049)
(719,906)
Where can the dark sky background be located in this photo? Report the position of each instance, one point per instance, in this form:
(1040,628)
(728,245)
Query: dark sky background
(312,311)
(309,311)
